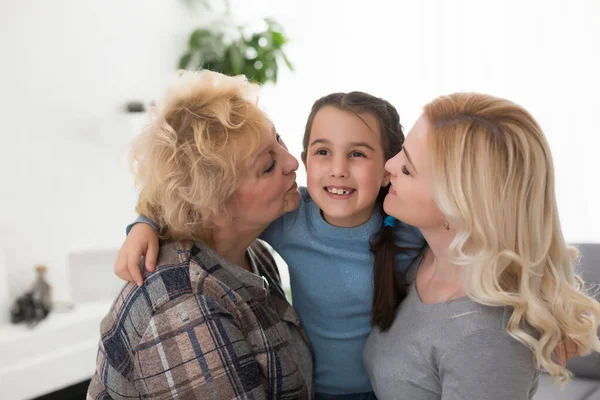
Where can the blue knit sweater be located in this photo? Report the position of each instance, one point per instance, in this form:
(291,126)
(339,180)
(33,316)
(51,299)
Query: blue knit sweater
(332,287)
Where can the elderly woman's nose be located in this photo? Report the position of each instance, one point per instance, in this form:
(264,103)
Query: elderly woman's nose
(290,164)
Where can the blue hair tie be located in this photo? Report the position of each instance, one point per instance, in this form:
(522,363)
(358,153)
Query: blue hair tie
(389,221)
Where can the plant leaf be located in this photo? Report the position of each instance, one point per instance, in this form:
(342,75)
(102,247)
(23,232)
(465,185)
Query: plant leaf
(245,55)
(198,37)
(275,69)
(235,56)
(288,63)
(184,61)
(278,39)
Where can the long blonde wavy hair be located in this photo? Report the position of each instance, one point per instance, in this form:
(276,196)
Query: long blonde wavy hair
(188,160)
(494,178)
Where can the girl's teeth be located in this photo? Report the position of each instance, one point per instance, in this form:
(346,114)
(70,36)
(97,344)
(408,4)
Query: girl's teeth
(338,191)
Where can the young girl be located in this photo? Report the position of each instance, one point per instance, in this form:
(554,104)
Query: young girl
(337,244)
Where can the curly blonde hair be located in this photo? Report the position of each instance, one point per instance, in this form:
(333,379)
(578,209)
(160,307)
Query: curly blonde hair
(188,160)
(494,178)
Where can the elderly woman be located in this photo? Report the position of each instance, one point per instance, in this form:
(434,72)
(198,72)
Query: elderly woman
(496,291)
(212,321)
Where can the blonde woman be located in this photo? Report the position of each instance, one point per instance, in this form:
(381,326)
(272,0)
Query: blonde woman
(212,321)
(495,292)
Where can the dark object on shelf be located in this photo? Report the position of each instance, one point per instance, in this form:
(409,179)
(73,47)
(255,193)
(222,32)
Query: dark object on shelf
(42,292)
(26,309)
(135,107)
(34,305)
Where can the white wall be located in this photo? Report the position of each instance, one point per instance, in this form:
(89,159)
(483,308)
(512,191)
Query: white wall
(68,66)
(543,54)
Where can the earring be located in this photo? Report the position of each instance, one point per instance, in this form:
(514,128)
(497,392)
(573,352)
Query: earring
(447,226)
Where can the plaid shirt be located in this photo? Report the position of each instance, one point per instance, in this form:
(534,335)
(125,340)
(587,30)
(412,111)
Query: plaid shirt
(202,328)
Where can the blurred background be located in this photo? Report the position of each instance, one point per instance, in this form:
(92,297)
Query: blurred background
(69,69)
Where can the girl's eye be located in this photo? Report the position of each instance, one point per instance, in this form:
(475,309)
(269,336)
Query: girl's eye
(404,170)
(271,167)
(278,138)
(357,154)
(322,152)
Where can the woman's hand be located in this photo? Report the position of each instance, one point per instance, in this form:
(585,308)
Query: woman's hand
(141,241)
(566,350)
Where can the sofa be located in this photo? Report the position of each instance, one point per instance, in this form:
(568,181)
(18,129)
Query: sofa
(586,370)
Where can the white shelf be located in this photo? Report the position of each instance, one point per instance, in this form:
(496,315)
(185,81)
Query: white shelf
(58,352)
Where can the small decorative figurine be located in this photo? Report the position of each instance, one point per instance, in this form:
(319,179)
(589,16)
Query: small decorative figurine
(34,305)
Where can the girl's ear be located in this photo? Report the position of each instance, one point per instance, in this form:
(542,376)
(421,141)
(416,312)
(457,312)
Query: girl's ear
(303,156)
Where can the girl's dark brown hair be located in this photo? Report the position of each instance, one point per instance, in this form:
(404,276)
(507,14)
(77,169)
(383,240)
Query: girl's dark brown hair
(389,286)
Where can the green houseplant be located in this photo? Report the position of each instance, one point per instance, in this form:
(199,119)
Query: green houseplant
(257,55)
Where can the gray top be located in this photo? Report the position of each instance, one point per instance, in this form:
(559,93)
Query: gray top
(450,351)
